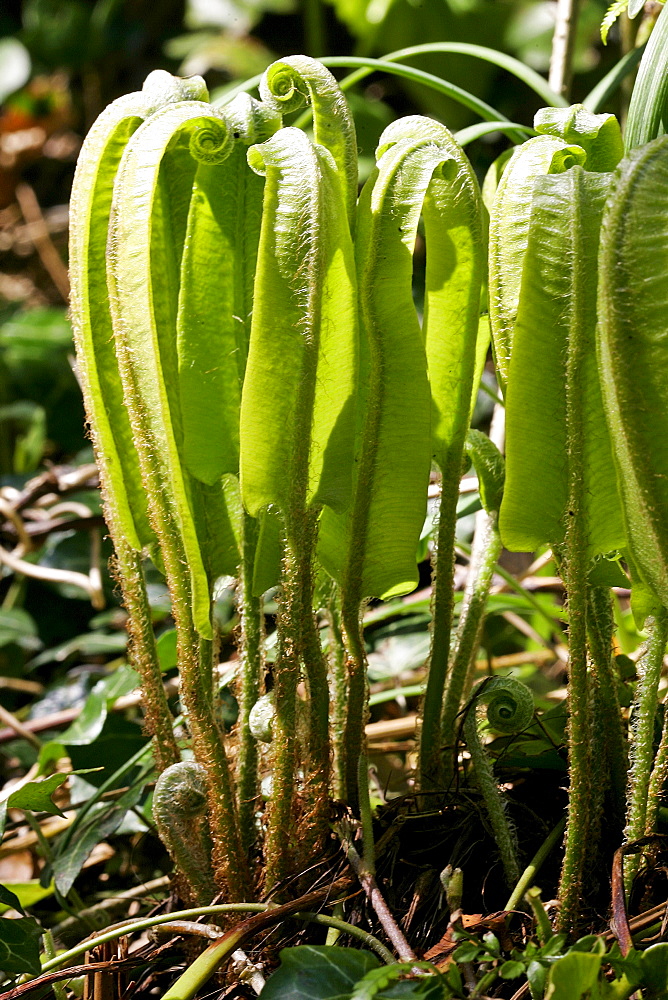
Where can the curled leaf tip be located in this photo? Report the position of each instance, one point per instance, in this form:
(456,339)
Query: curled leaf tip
(509,704)
(599,135)
(411,127)
(211,141)
(251,120)
(161,88)
(285,87)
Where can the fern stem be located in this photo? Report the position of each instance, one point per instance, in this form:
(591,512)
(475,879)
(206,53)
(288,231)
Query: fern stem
(252,634)
(280,839)
(576,567)
(317,774)
(612,760)
(338,693)
(357,710)
(434,732)
(579,723)
(511,708)
(484,556)
(195,659)
(657,780)
(642,738)
(143,653)
(196,670)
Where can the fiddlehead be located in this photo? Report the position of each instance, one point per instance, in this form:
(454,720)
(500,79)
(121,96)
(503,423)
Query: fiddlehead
(211,142)
(289,84)
(510,709)
(285,87)
(180,814)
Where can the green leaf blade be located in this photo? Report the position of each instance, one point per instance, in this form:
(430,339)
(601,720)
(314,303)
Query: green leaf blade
(509,232)
(216,296)
(633,301)
(648,111)
(297,417)
(150,210)
(373,549)
(318,973)
(98,366)
(558,307)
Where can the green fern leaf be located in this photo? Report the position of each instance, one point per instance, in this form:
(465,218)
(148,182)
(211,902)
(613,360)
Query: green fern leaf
(616,8)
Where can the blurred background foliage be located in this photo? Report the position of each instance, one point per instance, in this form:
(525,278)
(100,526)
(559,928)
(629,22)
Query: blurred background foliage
(61,62)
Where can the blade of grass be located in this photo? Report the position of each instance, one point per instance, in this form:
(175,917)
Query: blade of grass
(605,88)
(530,77)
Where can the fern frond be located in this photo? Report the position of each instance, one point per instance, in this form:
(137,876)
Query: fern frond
(616,8)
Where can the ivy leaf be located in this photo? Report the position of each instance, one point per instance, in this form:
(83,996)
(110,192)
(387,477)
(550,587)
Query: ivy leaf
(655,968)
(19,895)
(104,822)
(33,795)
(382,983)
(9,898)
(318,973)
(19,946)
(572,976)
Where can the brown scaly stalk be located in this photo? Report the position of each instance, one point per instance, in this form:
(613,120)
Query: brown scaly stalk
(252,665)
(128,570)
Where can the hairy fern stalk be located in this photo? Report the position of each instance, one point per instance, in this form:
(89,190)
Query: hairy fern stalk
(265,404)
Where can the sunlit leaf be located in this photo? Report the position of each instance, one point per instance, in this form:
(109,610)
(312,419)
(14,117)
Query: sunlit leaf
(19,946)
(557,319)
(318,973)
(632,303)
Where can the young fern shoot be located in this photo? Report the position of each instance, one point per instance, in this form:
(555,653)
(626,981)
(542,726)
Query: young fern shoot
(150,213)
(297,426)
(509,710)
(560,485)
(116,453)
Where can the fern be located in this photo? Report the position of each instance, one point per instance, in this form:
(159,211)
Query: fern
(615,10)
